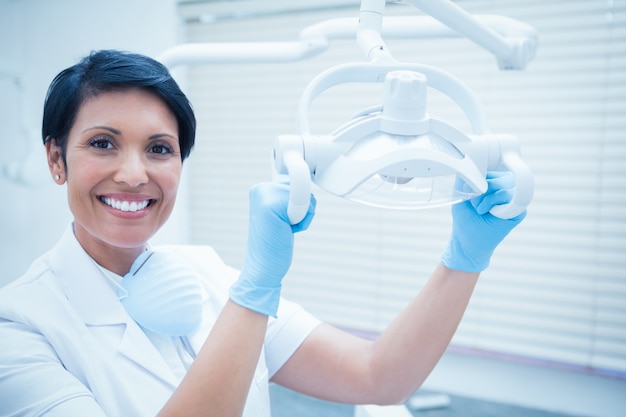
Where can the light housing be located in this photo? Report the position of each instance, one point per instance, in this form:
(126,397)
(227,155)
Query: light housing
(397,156)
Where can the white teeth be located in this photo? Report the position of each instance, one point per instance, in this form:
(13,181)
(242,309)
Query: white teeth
(125,205)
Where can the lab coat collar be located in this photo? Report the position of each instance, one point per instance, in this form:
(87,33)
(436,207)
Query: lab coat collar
(96,303)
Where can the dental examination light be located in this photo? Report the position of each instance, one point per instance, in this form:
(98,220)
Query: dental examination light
(397,155)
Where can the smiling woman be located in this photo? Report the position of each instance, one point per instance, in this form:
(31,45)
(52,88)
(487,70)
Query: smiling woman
(117,129)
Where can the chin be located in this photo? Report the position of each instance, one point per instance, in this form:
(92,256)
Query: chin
(130,237)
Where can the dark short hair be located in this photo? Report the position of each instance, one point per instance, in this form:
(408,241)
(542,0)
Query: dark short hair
(106,71)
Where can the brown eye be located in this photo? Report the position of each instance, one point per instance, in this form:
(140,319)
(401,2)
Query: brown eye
(101,142)
(161,148)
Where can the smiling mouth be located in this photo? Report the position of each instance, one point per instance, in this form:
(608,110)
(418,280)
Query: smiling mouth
(123,205)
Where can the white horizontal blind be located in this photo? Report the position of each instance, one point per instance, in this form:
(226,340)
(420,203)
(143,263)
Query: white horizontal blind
(556,289)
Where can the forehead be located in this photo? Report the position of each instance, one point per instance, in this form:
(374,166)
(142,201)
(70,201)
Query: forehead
(130,105)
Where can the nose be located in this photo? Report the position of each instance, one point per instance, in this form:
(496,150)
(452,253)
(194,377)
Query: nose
(131,170)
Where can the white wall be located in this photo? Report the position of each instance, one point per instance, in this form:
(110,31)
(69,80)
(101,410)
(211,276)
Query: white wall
(37,40)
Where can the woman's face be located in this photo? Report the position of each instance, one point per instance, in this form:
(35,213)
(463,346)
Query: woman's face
(123,166)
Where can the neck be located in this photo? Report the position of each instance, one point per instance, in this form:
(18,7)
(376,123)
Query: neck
(115,259)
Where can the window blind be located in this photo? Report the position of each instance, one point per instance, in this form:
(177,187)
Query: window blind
(556,287)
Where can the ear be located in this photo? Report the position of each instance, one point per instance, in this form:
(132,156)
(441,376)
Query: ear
(56,165)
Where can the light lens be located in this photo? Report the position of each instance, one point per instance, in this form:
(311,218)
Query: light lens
(408,184)
(411,193)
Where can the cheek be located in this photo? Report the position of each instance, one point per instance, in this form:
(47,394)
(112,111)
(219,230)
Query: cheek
(169,180)
(80,198)
(82,177)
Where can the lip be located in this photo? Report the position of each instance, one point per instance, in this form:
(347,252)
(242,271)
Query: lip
(129,206)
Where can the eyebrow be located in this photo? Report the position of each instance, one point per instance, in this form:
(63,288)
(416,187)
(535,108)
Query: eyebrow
(160,135)
(119,132)
(110,129)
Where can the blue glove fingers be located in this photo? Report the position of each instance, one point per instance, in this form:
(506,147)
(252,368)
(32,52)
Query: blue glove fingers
(475,232)
(270,248)
(270,235)
(500,187)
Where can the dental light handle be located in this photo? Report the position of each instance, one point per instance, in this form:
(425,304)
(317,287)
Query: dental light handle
(289,159)
(300,187)
(511,160)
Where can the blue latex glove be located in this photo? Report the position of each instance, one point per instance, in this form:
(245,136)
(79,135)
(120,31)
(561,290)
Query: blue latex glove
(269,250)
(475,232)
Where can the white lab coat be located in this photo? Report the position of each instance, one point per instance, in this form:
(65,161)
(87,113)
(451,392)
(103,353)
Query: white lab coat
(68,345)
